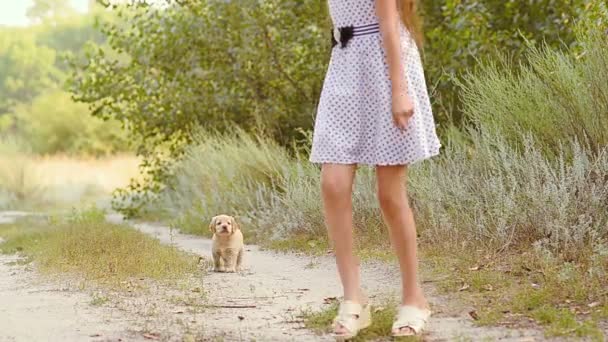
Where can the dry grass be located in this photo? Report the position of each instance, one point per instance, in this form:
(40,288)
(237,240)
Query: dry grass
(29,182)
(85,245)
(526,287)
(382,321)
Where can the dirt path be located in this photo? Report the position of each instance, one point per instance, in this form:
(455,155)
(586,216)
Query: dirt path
(281,285)
(33,308)
(277,287)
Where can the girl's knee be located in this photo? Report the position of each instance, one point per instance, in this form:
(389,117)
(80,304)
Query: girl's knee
(335,187)
(391,198)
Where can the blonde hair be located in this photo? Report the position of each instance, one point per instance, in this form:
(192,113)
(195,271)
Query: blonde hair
(411,20)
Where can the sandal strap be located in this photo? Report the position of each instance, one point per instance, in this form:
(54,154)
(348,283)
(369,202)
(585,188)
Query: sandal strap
(348,314)
(348,307)
(412,317)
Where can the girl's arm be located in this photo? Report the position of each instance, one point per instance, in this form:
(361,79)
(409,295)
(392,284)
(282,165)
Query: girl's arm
(388,16)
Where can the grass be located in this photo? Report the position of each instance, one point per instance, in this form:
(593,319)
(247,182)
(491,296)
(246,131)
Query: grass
(557,96)
(59,182)
(382,321)
(86,246)
(99,300)
(507,290)
(506,293)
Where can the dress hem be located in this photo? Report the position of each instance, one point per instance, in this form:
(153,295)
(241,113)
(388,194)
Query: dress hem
(369,163)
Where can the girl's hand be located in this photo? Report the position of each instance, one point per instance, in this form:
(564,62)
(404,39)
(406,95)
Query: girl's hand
(403,109)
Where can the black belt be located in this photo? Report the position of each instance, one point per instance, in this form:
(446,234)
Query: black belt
(345,33)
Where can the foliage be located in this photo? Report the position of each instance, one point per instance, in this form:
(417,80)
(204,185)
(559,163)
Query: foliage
(555,96)
(217,64)
(26,69)
(53,123)
(503,197)
(34,108)
(513,188)
(260,66)
(506,198)
(459,33)
(246,171)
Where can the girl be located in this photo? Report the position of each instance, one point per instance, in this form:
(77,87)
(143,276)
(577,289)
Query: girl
(374,109)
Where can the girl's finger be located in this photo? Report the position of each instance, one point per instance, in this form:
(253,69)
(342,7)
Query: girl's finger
(402,123)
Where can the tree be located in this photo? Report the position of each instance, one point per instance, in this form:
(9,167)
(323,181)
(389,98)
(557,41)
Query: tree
(25,69)
(54,123)
(215,64)
(459,33)
(42,9)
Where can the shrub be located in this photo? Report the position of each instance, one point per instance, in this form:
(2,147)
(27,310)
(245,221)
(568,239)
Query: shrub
(556,96)
(85,245)
(494,196)
(53,123)
(488,194)
(494,186)
(459,33)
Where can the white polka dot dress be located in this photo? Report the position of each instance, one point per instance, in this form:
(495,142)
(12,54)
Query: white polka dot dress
(354,123)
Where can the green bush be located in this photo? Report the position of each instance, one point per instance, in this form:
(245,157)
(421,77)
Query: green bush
(459,33)
(53,123)
(26,69)
(555,96)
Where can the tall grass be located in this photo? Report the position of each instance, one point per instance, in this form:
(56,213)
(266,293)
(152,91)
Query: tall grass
(85,245)
(495,197)
(556,96)
(18,175)
(34,182)
(234,174)
(272,193)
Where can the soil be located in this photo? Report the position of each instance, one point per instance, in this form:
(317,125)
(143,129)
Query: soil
(263,302)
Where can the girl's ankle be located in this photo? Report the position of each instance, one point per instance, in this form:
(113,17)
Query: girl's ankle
(360,298)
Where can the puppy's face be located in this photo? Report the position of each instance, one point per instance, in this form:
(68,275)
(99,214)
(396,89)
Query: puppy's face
(223,225)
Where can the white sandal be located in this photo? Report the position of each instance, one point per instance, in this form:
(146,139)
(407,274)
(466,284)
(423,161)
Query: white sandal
(410,317)
(352,317)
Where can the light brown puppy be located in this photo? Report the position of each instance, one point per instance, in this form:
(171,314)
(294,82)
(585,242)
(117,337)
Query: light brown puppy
(227,247)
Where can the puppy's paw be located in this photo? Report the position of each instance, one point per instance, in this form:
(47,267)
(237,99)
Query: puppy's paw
(219,269)
(231,270)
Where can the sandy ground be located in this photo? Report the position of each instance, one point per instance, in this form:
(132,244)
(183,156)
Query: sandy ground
(282,285)
(36,308)
(269,296)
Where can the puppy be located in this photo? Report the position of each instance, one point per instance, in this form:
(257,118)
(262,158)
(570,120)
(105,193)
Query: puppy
(227,244)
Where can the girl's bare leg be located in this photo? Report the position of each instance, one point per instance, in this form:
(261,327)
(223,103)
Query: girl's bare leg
(336,188)
(398,215)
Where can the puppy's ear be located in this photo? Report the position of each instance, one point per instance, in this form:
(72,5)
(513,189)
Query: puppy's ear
(212,224)
(235,225)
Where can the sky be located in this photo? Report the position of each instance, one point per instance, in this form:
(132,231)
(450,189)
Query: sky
(12,12)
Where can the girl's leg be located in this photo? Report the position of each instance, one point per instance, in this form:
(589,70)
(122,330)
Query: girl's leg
(336,188)
(399,217)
